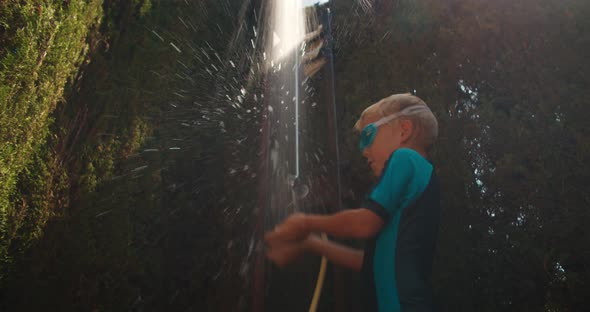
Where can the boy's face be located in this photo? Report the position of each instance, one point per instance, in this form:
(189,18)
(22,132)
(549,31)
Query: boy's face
(389,138)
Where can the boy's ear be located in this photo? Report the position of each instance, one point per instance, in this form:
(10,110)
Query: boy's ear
(407,129)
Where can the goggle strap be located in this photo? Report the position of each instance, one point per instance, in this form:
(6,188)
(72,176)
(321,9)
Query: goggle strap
(412,110)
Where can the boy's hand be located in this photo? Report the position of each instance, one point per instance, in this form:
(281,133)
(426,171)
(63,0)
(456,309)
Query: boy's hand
(294,228)
(285,253)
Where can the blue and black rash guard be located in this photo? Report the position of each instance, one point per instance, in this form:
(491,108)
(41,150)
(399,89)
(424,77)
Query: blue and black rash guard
(397,265)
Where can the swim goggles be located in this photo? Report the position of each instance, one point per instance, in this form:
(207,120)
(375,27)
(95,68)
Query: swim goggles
(369,132)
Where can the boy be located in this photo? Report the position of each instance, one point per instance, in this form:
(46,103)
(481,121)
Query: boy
(399,219)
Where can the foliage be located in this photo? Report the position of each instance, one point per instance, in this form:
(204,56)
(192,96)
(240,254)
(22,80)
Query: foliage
(116,223)
(43,44)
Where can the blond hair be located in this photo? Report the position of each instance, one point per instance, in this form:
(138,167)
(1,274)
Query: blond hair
(424,123)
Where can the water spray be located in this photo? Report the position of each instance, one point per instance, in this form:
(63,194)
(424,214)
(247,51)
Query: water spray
(287,35)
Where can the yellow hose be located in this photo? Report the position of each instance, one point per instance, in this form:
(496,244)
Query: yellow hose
(320,282)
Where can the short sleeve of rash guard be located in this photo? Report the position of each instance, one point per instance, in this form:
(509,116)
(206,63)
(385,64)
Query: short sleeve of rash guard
(404,178)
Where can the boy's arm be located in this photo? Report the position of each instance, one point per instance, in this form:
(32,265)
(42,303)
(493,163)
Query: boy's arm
(354,223)
(284,254)
(335,253)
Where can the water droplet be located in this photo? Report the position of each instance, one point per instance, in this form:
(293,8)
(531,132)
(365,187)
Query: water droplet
(139,168)
(160,37)
(175,47)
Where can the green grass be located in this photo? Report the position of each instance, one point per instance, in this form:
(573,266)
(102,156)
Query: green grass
(42,45)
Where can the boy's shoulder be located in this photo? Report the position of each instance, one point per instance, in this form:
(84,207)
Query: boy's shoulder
(402,157)
(407,152)
(408,165)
